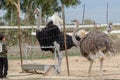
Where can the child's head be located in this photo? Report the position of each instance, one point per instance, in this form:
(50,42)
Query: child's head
(2,37)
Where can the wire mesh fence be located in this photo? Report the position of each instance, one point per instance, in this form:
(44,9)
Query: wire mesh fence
(78,65)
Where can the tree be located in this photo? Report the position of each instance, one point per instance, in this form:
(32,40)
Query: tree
(10,9)
(48,7)
(69,3)
(89,21)
(16,3)
(27,7)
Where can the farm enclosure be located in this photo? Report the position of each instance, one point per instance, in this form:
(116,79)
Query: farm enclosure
(78,70)
(111,65)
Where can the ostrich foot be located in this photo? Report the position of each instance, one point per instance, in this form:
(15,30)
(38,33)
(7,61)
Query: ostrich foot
(58,69)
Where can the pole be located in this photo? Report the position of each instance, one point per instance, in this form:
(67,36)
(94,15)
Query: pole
(63,15)
(107,13)
(19,30)
(83,14)
(95,26)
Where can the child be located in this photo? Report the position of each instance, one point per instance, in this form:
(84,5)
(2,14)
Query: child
(3,57)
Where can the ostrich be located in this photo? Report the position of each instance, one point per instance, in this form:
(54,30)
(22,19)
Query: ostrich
(94,44)
(50,36)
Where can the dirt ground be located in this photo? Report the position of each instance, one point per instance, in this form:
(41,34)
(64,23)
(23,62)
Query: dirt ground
(78,67)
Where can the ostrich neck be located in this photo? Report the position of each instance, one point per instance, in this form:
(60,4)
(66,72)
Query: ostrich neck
(76,42)
(39,20)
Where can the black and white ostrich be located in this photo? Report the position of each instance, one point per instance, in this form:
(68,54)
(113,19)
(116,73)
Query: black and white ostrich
(52,36)
(94,44)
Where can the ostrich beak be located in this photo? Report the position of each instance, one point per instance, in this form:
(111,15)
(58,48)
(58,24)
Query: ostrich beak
(35,12)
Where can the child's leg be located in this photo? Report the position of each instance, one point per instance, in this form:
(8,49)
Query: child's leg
(5,62)
(1,67)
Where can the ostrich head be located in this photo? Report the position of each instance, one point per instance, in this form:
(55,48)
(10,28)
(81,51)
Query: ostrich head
(37,11)
(81,33)
(77,33)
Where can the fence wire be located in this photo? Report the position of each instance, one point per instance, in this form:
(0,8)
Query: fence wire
(78,65)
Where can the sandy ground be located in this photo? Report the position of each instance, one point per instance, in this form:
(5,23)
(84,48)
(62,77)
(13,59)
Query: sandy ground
(78,69)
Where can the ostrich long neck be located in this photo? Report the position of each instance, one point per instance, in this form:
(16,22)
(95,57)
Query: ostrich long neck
(39,20)
(77,43)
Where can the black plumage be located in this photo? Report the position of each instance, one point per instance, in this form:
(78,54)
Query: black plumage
(51,33)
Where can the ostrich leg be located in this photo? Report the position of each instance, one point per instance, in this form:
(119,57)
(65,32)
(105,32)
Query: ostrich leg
(59,56)
(89,71)
(111,54)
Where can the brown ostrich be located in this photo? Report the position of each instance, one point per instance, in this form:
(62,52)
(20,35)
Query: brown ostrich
(94,44)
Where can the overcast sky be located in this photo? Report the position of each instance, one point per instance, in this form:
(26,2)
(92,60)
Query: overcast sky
(95,10)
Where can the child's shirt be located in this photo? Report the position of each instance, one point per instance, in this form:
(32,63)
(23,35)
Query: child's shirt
(3,49)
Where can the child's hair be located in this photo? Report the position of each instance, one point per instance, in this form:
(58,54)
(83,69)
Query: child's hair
(1,37)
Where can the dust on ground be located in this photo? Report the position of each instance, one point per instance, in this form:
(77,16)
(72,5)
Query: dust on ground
(78,67)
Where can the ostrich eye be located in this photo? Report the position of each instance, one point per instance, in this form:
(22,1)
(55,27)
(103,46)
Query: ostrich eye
(77,37)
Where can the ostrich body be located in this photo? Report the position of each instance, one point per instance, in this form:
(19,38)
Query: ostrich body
(51,33)
(52,36)
(46,38)
(94,44)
